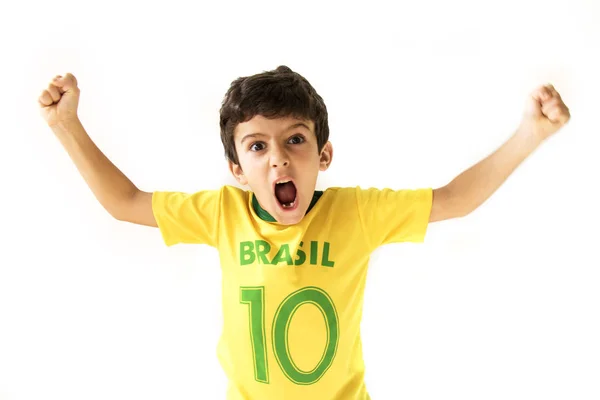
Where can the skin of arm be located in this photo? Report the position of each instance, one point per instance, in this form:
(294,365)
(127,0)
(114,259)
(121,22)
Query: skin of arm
(544,115)
(116,193)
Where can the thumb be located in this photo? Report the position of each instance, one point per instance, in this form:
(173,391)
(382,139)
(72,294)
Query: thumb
(65,84)
(533,106)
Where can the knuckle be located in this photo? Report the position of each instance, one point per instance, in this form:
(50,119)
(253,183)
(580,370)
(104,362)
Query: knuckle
(71,77)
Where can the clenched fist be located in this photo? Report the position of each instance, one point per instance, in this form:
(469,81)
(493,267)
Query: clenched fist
(545,113)
(59,101)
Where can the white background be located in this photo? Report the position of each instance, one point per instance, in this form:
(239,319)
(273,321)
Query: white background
(502,304)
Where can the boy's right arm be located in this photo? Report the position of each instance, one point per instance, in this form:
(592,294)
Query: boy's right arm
(115,192)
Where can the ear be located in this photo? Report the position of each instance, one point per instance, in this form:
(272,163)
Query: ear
(237,173)
(326,157)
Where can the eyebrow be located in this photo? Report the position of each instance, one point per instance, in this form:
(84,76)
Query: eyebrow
(251,135)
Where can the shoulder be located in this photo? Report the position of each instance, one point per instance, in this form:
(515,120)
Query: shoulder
(378,197)
(224,192)
(358,192)
(338,198)
(233,192)
(337,191)
(220,195)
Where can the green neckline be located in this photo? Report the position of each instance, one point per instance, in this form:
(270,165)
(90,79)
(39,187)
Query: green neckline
(264,214)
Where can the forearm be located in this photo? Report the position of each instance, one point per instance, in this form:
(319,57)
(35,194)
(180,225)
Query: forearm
(474,186)
(109,185)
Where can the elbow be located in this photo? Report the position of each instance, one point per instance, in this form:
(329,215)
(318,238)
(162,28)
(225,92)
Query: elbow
(463,213)
(461,208)
(118,217)
(116,212)
(452,205)
(120,209)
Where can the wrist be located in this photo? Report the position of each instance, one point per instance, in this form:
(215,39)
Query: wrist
(67,126)
(527,138)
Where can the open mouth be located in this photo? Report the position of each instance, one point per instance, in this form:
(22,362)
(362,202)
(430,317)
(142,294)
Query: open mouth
(286,195)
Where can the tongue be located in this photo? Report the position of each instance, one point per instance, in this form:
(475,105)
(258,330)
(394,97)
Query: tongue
(285,192)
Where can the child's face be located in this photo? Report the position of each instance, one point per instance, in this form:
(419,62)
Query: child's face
(271,149)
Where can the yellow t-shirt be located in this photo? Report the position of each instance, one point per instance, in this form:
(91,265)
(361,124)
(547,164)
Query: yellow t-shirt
(293,295)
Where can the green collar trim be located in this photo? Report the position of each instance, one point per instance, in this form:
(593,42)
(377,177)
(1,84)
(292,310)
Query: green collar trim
(264,214)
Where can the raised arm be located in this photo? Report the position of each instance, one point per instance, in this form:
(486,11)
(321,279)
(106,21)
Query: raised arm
(115,192)
(545,114)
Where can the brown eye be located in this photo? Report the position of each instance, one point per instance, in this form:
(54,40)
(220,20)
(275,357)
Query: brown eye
(299,140)
(259,144)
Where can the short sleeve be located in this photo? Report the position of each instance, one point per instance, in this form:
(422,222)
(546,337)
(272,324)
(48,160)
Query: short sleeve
(188,218)
(391,216)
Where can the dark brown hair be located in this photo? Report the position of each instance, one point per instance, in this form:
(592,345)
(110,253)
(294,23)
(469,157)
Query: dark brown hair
(272,94)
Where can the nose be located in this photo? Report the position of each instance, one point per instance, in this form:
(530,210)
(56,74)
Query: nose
(279,158)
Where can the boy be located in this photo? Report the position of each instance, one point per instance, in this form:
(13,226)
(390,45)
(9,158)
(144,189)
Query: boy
(292,286)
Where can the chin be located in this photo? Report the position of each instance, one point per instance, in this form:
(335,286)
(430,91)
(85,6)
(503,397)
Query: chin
(287,217)
(290,218)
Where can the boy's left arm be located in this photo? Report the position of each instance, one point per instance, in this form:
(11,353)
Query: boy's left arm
(544,115)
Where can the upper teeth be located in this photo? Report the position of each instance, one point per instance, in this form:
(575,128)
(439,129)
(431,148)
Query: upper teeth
(283,181)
